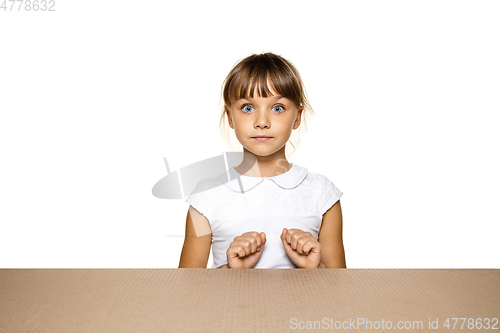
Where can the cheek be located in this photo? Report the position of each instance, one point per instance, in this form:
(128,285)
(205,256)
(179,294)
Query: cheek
(289,124)
(236,122)
(240,124)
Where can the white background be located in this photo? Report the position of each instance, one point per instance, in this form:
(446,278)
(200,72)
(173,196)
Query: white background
(95,94)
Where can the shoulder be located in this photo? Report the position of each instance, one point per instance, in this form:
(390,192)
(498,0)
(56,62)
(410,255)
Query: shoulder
(202,191)
(202,198)
(317,180)
(317,177)
(206,185)
(327,193)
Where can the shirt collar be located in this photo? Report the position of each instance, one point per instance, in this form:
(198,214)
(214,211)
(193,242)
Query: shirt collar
(239,183)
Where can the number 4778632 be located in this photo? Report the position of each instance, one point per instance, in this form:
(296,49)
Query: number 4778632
(28,5)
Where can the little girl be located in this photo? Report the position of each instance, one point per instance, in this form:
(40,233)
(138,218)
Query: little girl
(266,212)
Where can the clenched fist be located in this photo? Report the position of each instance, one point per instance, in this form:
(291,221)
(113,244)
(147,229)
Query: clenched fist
(245,250)
(303,249)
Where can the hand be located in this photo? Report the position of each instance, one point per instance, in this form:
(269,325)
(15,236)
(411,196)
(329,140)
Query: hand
(302,248)
(245,250)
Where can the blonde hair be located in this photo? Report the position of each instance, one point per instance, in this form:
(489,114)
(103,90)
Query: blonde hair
(252,74)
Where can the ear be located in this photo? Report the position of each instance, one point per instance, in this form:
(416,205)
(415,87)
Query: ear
(296,124)
(229,118)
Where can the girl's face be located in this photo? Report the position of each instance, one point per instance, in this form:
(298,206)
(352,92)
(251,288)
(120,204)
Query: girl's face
(272,117)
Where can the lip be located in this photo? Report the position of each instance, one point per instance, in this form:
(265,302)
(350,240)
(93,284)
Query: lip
(262,138)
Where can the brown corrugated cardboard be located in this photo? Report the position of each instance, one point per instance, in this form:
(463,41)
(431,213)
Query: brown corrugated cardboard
(225,300)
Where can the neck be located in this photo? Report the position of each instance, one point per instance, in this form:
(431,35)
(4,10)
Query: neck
(263,166)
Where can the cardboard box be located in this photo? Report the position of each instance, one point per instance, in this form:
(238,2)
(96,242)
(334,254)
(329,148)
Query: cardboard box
(225,300)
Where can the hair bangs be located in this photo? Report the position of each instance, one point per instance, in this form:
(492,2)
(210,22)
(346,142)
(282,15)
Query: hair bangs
(248,83)
(263,75)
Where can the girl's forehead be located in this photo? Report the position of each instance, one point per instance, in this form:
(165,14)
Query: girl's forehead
(270,92)
(262,85)
(257,96)
(259,90)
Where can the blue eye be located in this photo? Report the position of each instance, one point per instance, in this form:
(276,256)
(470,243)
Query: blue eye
(278,108)
(247,108)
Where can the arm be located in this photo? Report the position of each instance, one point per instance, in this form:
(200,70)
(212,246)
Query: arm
(197,241)
(330,238)
(326,251)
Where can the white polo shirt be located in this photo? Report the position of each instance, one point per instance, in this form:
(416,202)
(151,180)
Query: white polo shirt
(235,204)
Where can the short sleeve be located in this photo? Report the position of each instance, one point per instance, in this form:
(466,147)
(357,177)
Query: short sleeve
(198,199)
(331,194)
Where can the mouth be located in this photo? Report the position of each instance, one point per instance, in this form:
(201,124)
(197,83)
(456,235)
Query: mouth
(261,138)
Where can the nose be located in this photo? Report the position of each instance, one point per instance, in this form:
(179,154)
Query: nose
(262,120)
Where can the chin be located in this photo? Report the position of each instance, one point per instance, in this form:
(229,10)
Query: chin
(262,151)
